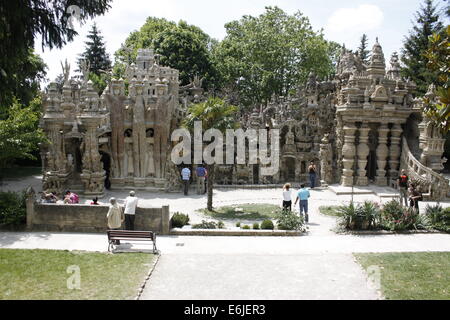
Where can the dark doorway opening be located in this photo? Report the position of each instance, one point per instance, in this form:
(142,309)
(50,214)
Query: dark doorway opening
(106,160)
(256,174)
(289,173)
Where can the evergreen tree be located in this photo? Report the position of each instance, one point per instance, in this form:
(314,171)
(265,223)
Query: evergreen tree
(95,52)
(363,52)
(416,44)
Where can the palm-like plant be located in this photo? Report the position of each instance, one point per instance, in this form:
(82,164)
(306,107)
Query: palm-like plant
(214,113)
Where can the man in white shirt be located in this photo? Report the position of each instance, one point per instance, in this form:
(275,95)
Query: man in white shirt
(130,210)
(186,176)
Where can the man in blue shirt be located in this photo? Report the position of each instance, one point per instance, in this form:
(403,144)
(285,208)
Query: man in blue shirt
(186,176)
(201,174)
(303,195)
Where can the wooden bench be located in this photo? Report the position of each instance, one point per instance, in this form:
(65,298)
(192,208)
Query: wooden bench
(125,235)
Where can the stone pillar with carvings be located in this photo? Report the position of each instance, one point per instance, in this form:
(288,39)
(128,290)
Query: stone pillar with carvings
(349,151)
(382,155)
(363,152)
(395,151)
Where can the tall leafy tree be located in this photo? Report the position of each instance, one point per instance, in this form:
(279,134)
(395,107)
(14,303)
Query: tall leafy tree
(271,54)
(181,46)
(214,113)
(363,51)
(427,22)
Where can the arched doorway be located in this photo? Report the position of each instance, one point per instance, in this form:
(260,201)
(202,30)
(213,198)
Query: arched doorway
(289,169)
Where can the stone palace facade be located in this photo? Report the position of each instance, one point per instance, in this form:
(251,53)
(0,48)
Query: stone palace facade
(361,127)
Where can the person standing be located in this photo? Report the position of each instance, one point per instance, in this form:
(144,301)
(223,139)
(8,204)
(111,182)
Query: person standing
(312,174)
(402,183)
(287,197)
(303,195)
(130,205)
(414,197)
(115,217)
(201,175)
(186,176)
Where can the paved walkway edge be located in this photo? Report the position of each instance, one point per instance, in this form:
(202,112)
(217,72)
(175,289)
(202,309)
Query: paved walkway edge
(141,289)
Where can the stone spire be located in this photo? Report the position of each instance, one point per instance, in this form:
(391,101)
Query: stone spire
(394,70)
(377,65)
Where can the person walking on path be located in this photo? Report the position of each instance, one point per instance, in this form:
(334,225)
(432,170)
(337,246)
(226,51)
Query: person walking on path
(201,175)
(402,183)
(115,217)
(186,176)
(312,174)
(130,205)
(303,195)
(287,197)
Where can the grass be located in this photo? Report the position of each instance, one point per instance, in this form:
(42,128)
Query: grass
(329,211)
(19,172)
(411,276)
(42,275)
(249,212)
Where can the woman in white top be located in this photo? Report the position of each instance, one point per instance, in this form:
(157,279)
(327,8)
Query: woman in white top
(287,197)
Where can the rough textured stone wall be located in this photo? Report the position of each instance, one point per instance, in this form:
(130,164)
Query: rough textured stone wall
(85,218)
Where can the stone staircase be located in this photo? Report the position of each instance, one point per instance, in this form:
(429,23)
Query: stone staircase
(434,185)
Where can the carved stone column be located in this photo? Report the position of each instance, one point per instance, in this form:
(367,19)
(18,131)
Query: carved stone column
(382,155)
(348,152)
(363,152)
(395,151)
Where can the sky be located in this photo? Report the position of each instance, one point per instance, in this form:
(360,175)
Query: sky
(343,21)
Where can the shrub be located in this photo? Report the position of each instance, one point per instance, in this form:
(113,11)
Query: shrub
(221,225)
(360,217)
(13,208)
(267,225)
(238,225)
(205,225)
(347,216)
(246,227)
(438,218)
(395,217)
(179,220)
(288,220)
(256,226)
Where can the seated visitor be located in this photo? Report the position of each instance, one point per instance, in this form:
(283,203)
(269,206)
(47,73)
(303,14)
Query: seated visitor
(49,198)
(95,202)
(71,198)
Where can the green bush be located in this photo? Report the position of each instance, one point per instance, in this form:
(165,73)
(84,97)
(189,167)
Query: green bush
(267,225)
(256,226)
(205,225)
(395,217)
(221,225)
(238,225)
(288,220)
(179,220)
(360,217)
(438,218)
(246,227)
(13,208)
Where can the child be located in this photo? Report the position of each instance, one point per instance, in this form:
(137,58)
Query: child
(287,197)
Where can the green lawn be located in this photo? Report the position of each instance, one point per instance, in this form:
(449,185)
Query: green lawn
(411,276)
(249,212)
(329,211)
(42,275)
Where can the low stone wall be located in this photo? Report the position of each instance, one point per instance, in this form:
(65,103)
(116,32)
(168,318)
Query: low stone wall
(87,218)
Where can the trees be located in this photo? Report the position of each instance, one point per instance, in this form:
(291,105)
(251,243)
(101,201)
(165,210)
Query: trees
(363,52)
(270,55)
(217,114)
(181,46)
(97,57)
(439,62)
(416,44)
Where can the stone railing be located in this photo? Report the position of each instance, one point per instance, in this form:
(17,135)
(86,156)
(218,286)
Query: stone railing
(434,185)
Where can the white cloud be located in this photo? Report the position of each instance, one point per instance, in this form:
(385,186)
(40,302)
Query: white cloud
(365,17)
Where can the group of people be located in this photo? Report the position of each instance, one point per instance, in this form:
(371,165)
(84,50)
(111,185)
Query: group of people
(69,198)
(303,196)
(408,191)
(202,175)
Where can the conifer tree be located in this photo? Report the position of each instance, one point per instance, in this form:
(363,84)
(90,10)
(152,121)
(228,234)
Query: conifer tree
(363,52)
(95,52)
(427,22)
